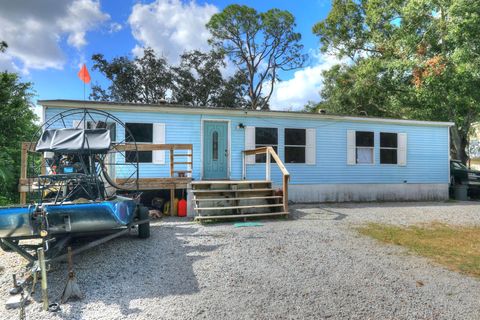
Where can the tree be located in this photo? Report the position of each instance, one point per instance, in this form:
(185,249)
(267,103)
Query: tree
(145,79)
(259,44)
(409,58)
(17,121)
(198,81)
(3,46)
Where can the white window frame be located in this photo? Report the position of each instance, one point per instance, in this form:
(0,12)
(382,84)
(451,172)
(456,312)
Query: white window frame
(372,149)
(142,142)
(264,145)
(294,145)
(387,148)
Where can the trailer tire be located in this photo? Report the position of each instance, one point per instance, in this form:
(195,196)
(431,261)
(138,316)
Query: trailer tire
(144,228)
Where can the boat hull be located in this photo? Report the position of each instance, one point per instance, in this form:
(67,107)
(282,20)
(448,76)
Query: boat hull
(68,218)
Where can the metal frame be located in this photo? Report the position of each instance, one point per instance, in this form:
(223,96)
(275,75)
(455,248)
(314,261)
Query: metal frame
(96,167)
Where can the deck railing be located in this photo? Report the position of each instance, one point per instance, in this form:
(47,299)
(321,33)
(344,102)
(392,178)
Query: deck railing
(270,153)
(187,148)
(178,178)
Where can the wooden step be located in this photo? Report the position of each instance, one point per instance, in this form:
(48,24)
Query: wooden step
(182,163)
(240,198)
(246,215)
(209,182)
(241,207)
(204,191)
(182,154)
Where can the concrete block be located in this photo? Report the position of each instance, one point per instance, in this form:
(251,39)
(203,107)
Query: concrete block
(14,301)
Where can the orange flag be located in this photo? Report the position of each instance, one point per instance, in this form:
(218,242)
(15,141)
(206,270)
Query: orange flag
(83,74)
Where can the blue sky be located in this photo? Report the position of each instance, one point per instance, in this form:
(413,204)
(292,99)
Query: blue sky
(49,41)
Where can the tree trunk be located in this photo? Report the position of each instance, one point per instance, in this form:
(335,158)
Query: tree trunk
(459,141)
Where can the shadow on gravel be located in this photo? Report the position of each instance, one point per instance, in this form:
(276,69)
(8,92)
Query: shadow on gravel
(127,270)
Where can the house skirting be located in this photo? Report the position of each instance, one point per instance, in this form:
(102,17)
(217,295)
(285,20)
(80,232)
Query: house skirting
(367,192)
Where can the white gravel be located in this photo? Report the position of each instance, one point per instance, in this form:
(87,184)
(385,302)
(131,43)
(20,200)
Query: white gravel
(313,266)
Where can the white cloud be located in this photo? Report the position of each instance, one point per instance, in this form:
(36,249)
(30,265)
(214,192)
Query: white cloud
(82,16)
(115,27)
(171,27)
(305,86)
(7,64)
(33,29)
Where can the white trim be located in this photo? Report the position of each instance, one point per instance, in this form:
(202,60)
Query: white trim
(249,143)
(44,114)
(402,149)
(229,144)
(351,148)
(159,136)
(180,109)
(312,148)
(374,150)
(449,156)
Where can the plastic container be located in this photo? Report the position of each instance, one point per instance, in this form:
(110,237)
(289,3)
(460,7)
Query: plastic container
(461,192)
(182,208)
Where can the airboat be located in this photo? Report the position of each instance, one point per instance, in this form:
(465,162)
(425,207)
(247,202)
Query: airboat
(83,183)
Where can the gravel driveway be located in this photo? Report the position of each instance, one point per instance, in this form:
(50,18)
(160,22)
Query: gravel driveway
(313,266)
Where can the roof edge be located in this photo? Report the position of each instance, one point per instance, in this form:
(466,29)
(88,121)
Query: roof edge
(183,109)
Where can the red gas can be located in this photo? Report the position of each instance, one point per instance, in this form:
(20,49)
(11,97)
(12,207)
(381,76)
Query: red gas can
(182,208)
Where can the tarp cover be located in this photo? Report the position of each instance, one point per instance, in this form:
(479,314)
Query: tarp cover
(74,141)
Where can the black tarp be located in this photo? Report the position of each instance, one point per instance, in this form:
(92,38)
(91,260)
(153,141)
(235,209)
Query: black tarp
(74,141)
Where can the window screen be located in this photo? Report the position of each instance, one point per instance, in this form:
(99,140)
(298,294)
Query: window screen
(295,145)
(265,137)
(388,148)
(215,145)
(140,133)
(364,141)
(111,126)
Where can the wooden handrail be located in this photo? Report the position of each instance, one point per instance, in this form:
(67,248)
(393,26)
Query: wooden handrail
(162,147)
(269,151)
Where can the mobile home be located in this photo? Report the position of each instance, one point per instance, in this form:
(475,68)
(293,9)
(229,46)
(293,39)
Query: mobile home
(328,157)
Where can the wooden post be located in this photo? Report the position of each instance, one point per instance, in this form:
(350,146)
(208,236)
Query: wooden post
(267,165)
(172,173)
(172,201)
(43,272)
(191,162)
(285,192)
(244,166)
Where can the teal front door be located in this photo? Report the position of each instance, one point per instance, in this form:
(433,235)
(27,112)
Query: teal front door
(215,150)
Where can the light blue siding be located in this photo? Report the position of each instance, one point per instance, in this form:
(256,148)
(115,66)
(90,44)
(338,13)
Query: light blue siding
(427,148)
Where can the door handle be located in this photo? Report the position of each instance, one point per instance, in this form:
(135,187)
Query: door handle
(226,153)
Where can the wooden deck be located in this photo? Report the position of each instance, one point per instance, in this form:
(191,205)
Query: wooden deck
(173,182)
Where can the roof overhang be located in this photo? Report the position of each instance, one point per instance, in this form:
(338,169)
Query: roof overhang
(182,109)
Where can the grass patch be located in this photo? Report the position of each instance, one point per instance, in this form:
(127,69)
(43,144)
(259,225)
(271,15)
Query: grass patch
(456,247)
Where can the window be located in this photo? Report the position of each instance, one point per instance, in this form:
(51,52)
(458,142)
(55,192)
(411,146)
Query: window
(104,125)
(265,137)
(295,145)
(388,148)
(140,133)
(364,143)
(215,145)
